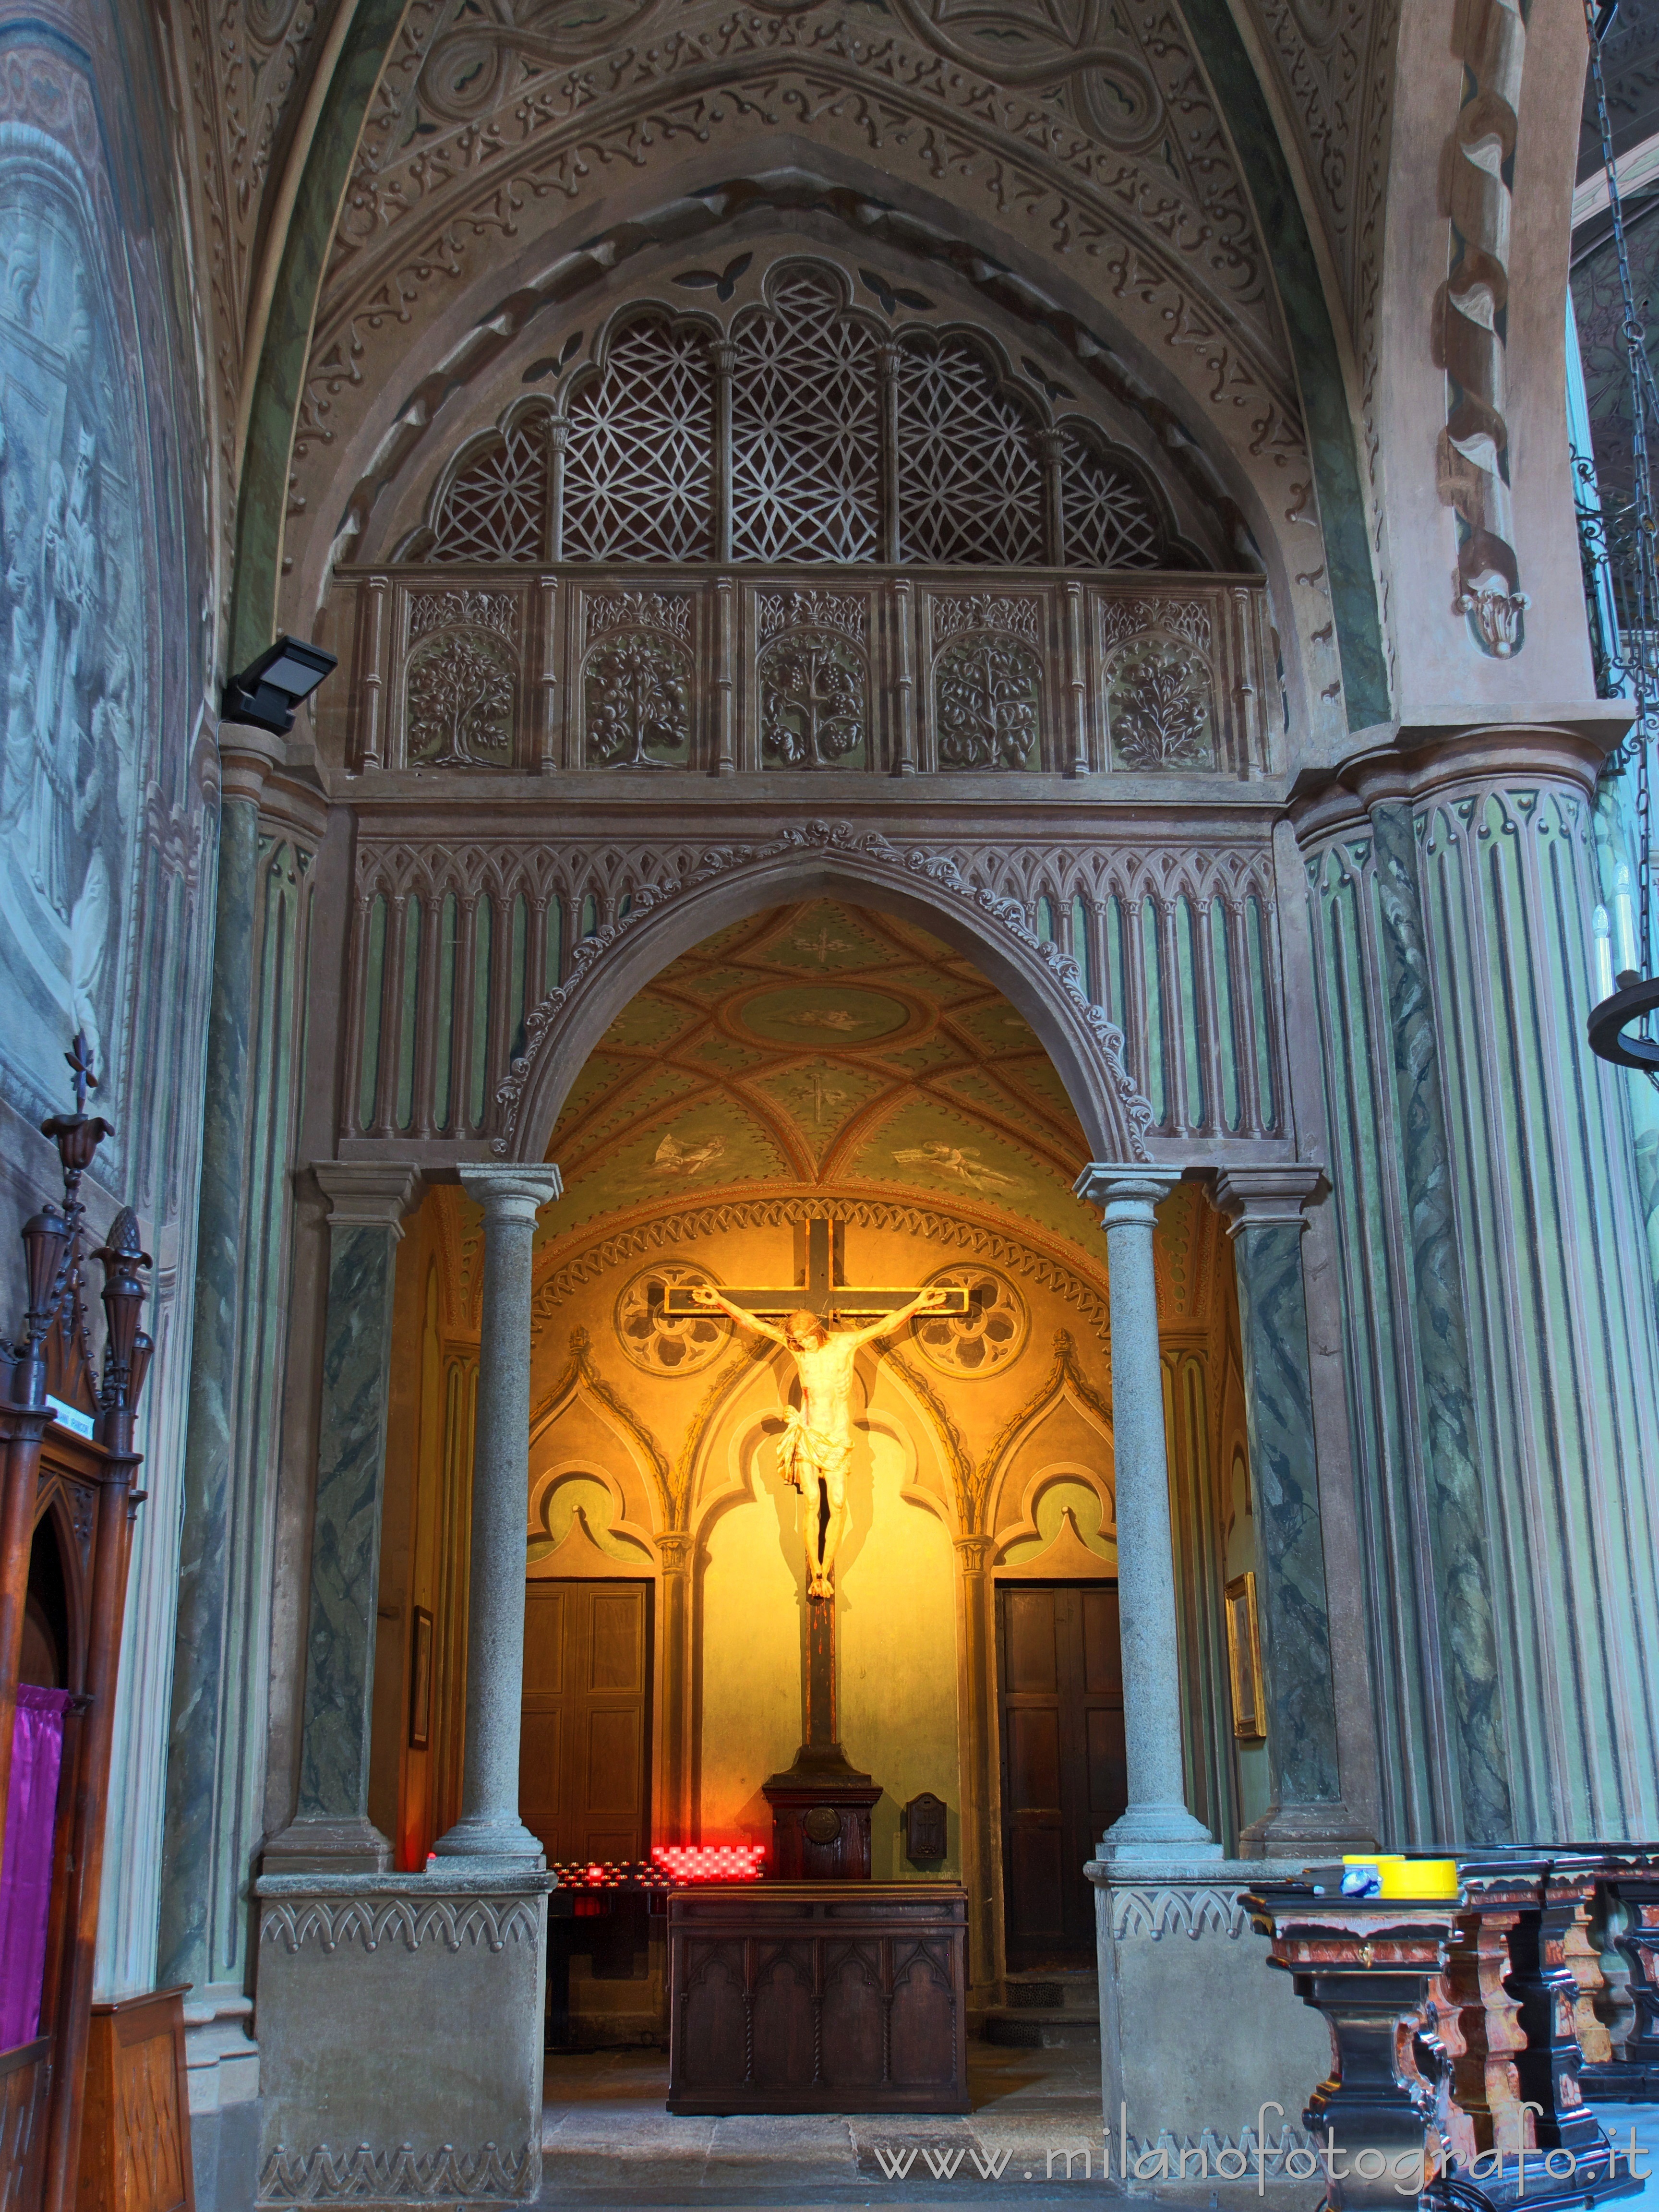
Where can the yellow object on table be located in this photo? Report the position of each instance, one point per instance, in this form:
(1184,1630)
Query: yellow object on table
(1403,1877)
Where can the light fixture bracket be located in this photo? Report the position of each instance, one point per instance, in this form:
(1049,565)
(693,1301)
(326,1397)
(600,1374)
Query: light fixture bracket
(266,693)
(1608,1023)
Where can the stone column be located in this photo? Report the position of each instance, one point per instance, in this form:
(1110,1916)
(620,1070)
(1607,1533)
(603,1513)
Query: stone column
(331,1831)
(1265,1206)
(1157,1824)
(489,1826)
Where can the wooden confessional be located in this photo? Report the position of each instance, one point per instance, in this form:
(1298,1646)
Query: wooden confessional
(92,2108)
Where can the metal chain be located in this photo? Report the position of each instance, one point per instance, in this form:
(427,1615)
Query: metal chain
(1633,651)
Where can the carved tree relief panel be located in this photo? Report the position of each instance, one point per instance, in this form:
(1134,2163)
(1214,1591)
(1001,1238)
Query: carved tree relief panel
(460,700)
(813,710)
(1158,706)
(988,691)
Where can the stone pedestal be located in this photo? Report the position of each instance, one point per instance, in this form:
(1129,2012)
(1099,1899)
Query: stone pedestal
(1198,2034)
(400,2036)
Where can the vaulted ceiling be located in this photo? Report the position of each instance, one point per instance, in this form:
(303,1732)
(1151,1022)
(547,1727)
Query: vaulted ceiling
(822,1049)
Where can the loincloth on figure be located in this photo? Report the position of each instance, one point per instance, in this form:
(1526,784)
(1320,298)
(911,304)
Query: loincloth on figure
(807,1455)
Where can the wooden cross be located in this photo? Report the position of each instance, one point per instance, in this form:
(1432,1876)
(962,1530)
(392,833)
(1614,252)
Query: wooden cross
(818,1289)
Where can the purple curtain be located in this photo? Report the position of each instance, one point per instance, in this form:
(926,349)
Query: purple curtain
(37,1751)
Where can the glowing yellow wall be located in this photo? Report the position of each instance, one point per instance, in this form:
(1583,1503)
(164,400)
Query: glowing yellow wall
(749,1623)
(898,1653)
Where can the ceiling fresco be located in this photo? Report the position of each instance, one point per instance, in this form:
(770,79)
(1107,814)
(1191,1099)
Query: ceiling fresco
(822,1046)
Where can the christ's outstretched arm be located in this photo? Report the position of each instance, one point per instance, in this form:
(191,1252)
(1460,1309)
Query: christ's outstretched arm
(923,1302)
(705,1294)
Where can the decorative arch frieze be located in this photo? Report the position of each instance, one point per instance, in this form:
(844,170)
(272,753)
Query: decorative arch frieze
(1164,942)
(1086,1045)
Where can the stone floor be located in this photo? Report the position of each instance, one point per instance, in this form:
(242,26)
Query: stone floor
(607,2140)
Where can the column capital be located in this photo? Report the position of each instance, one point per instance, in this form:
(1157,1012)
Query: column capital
(512,1194)
(975,1553)
(368,1194)
(1266,1197)
(247,757)
(675,1547)
(1126,1191)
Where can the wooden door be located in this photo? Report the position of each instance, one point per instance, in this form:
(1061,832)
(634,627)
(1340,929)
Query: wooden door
(584,1752)
(1060,1677)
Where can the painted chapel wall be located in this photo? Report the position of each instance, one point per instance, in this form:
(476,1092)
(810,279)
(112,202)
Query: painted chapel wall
(107,766)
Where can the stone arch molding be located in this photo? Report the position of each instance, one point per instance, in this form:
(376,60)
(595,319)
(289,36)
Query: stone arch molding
(822,860)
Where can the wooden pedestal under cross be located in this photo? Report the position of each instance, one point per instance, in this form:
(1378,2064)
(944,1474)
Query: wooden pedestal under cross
(821,1805)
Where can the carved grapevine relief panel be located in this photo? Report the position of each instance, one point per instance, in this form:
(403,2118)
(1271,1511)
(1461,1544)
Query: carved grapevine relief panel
(986,695)
(813,701)
(1157,706)
(460,700)
(637,692)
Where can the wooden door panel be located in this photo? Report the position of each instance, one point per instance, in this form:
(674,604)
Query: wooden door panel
(1030,1665)
(613,1761)
(1108,1766)
(1064,1774)
(1033,1759)
(618,1641)
(1102,1651)
(584,1764)
(546,1608)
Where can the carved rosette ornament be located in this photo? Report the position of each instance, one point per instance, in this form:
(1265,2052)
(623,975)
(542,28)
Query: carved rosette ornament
(661,1343)
(985,1339)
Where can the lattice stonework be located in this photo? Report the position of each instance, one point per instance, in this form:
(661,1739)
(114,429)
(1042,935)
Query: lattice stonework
(638,473)
(1109,524)
(970,479)
(830,406)
(805,429)
(496,507)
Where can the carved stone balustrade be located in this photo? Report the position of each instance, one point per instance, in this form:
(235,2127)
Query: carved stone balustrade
(463,669)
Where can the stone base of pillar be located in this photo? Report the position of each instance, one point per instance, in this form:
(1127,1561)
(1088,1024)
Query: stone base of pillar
(222,2071)
(485,1841)
(1161,1832)
(401,2036)
(321,1843)
(1199,2038)
(1304,1832)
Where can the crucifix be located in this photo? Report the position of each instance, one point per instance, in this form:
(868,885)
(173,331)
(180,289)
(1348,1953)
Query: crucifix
(821,1807)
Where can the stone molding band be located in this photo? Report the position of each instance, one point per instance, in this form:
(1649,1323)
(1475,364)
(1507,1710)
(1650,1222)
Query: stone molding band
(1192,1912)
(321,2176)
(453,1921)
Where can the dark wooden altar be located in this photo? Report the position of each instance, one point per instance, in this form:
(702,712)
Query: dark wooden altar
(819,1997)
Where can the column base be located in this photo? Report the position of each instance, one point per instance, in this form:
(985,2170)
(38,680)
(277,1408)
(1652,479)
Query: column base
(1202,2049)
(486,1840)
(1305,1831)
(400,2037)
(221,2070)
(325,1842)
(1158,1832)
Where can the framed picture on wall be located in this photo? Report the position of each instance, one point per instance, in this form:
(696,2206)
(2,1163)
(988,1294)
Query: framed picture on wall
(420,1681)
(1244,1660)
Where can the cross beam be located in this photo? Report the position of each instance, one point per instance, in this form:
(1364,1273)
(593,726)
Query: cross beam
(820,1293)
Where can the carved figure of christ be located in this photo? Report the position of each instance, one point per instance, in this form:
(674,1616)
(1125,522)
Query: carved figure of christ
(818,1445)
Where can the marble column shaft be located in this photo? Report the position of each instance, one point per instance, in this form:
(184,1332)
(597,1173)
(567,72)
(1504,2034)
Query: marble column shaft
(331,1830)
(1157,1824)
(489,1826)
(204,1571)
(1294,1605)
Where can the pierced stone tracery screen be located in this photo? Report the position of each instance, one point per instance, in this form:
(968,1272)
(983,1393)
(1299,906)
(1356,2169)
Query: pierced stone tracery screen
(813,433)
(805,431)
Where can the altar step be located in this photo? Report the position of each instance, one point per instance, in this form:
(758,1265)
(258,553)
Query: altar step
(1045,2010)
